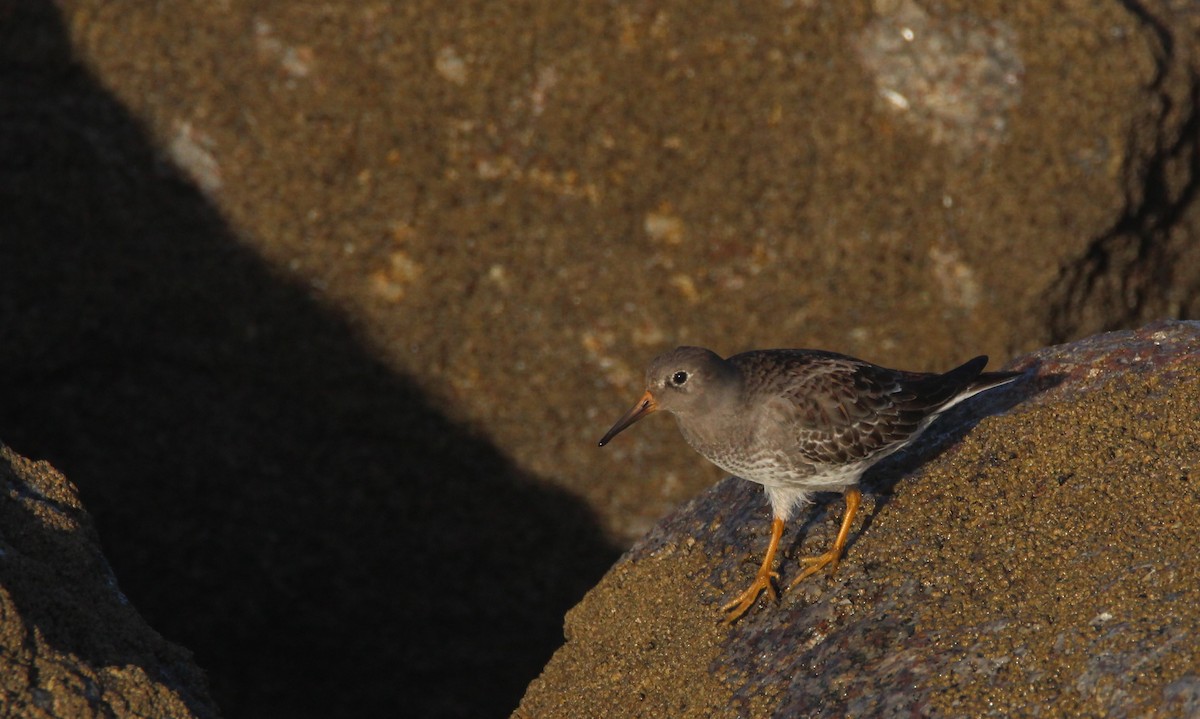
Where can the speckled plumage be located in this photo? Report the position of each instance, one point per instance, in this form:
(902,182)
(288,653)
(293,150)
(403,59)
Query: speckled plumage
(799,421)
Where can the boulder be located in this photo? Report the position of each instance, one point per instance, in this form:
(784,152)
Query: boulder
(571,189)
(71,644)
(1040,563)
(366,281)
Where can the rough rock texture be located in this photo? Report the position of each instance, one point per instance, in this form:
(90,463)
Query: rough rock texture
(270,495)
(323,304)
(71,644)
(570,188)
(1042,564)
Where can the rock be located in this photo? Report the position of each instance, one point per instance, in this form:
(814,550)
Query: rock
(1044,561)
(71,644)
(907,183)
(314,261)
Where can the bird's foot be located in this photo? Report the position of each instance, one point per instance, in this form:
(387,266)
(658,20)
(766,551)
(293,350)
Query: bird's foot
(815,564)
(763,581)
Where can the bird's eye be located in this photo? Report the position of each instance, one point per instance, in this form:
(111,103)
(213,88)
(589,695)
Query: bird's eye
(679,378)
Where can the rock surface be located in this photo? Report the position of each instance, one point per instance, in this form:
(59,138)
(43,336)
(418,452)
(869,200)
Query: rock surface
(71,644)
(323,304)
(1041,564)
(569,189)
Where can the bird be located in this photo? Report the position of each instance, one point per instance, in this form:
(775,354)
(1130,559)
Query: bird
(798,421)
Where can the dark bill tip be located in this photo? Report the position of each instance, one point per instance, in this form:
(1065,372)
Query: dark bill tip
(644,406)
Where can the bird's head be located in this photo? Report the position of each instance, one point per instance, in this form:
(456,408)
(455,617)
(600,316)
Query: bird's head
(682,381)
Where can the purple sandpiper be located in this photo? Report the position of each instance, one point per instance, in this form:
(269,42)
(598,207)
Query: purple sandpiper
(798,422)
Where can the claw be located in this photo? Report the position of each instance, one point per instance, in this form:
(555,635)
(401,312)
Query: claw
(816,564)
(833,556)
(763,581)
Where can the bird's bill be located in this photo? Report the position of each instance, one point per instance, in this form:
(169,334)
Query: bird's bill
(644,406)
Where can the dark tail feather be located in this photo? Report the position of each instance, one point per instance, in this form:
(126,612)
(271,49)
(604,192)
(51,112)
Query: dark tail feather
(939,392)
(970,379)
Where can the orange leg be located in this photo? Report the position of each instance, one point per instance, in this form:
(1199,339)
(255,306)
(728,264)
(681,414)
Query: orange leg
(831,558)
(764,580)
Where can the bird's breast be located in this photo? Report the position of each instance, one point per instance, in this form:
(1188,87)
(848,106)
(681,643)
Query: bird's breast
(738,448)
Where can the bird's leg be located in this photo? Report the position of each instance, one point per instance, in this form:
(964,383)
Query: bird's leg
(831,558)
(764,580)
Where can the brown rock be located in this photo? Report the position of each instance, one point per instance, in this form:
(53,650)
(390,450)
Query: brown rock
(906,183)
(71,644)
(1044,561)
(262,265)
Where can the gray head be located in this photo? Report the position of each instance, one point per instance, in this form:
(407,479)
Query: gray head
(684,380)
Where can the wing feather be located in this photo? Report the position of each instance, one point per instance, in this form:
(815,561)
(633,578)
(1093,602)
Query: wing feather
(834,409)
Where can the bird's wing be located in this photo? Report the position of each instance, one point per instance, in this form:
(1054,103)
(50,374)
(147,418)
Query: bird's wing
(845,410)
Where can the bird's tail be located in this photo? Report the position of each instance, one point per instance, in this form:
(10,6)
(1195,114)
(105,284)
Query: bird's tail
(968,380)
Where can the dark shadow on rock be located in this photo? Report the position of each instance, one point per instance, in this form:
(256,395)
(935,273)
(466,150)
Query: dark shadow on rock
(269,495)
